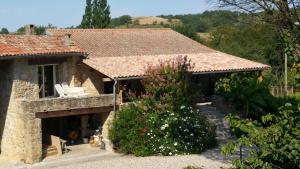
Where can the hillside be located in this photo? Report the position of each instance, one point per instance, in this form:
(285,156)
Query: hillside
(209,20)
(153,20)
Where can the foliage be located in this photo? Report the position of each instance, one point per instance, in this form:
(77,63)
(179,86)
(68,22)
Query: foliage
(273,143)
(208,20)
(38,30)
(282,14)
(4,31)
(162,120)
(187,31)
(256,42)
(250,95)
(120,21)
(97,14)
(87,17)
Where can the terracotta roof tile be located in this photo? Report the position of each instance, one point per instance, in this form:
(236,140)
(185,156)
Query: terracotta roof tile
(135,66)
(131,42)
(125,52)
(21,45)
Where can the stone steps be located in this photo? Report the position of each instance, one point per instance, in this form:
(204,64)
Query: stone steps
(218,118)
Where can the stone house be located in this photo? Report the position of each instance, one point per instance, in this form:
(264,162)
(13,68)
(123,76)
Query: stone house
(30,66)
(99,61)
(122,55)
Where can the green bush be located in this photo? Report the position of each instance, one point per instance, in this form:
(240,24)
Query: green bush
(274,142)
(251,96)
(162,121)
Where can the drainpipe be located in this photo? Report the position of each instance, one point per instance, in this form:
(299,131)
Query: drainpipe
(115,95)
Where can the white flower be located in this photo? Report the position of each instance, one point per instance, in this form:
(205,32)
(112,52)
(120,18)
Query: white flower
(164,126)
(182,107)
(170,153)
(175,144)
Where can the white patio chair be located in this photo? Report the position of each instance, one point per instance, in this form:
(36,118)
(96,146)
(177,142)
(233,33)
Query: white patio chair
(60,90)
(73,91)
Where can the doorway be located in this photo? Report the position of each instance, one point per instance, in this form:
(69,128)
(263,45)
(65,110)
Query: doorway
(47,80)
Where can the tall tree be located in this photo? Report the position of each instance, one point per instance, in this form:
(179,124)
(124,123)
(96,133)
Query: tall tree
(87,17)
(102,14)
(97,14)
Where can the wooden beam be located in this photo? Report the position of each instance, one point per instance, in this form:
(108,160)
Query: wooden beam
(106,79)
(73,112)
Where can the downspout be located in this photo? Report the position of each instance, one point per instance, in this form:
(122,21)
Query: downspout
(115,94)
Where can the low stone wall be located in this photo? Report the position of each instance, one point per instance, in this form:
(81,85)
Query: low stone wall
(56,104)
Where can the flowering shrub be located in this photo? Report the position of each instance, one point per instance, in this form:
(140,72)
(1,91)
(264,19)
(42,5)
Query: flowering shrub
(162,121)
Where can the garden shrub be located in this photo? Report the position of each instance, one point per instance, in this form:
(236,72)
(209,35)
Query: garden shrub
(251,96)
(274,142)
(162,121)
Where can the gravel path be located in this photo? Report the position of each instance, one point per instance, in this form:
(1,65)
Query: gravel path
(107,160)
(117,161)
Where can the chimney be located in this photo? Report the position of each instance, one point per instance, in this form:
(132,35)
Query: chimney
(68,41)
(29,29)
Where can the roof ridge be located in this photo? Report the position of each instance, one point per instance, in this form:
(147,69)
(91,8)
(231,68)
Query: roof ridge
(38,36)
(107,29)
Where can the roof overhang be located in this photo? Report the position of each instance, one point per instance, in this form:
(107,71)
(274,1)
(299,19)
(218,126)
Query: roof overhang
(125,68)
(48,55)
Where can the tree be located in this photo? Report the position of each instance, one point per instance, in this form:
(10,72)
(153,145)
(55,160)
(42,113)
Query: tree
(87,17)
(121,21)
(97,14)
(105,14)
(4,31)
(188,31)
(284,15)
(38,30)
(100,15)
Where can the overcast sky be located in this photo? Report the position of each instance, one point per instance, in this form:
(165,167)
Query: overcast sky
(64,13)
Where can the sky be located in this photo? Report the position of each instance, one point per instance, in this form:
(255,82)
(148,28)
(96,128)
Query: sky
(65,13)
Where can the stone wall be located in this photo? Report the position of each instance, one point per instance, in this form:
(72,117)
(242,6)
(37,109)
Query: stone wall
(68,71)
(17,135)
(56,104)
(21,135)
(91,80)
(6,81)
(20,129)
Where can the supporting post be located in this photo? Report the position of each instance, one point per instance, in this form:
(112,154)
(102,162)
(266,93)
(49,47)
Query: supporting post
(285,75)
(115,94)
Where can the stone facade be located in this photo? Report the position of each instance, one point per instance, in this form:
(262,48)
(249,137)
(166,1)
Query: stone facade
(24,85)
(90,79)
(21,133)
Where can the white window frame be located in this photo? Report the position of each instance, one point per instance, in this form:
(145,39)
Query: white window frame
(43,78)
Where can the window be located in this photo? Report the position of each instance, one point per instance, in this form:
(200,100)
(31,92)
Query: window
(47,80)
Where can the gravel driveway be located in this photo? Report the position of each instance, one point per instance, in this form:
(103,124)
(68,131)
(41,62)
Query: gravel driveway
(107,160)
